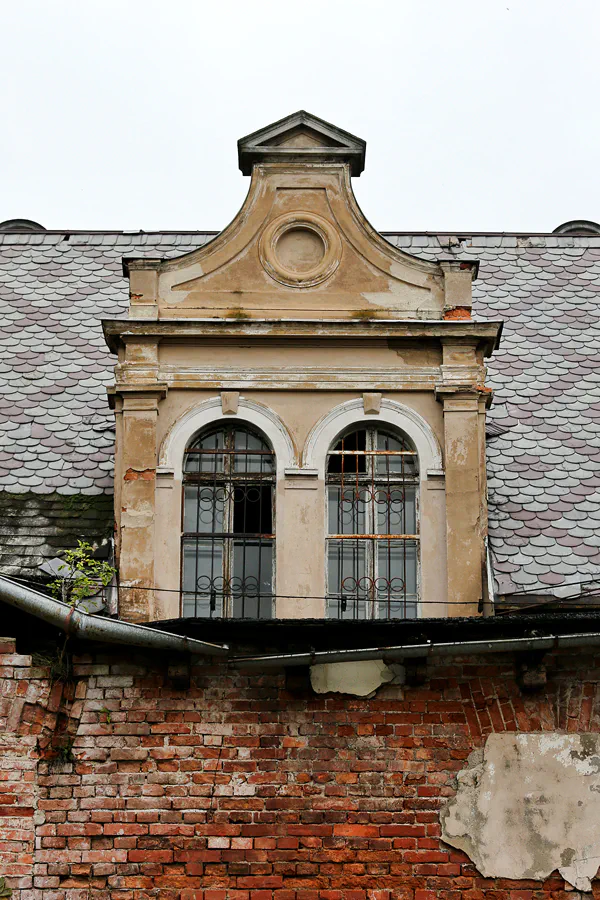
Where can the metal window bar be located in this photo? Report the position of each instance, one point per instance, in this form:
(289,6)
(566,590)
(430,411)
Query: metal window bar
(372,555)
(228,530)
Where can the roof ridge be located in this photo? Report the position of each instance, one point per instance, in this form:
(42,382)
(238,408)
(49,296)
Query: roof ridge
(40,237)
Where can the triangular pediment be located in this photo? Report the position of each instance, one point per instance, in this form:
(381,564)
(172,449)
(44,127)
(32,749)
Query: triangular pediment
(301,137)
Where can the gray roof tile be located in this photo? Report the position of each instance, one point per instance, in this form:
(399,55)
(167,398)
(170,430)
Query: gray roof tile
(54,363)
(544,469)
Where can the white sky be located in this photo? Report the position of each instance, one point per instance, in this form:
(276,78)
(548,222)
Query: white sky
(124,114)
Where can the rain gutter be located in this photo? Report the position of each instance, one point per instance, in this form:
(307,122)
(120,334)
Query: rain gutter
(82,625)
(428,649)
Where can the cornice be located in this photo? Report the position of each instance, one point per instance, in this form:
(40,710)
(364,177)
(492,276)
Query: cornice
(118,331)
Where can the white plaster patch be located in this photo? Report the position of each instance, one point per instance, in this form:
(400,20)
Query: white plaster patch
(528,806)
(583,869)
(359,678)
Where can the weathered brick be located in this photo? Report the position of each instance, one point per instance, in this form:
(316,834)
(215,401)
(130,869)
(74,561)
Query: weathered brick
(236,790)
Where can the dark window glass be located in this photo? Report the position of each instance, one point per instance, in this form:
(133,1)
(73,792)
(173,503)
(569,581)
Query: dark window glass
(373,540)
(228,525)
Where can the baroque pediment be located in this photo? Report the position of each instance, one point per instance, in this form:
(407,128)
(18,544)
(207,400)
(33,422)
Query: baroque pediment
(301,131)
(300,247)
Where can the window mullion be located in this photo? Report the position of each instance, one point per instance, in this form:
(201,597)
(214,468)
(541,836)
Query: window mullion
(371,520)
(244,488)
(228,470)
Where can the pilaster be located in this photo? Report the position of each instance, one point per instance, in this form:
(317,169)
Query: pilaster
(300,558)
(465,513)
(136,511)
(143,287)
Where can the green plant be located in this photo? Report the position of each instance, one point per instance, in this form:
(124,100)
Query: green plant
(80,575)
(5,891)
(108,715)
(58,662)
(63,753)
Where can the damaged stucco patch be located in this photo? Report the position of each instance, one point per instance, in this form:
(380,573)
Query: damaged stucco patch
(358,678)
(529,804)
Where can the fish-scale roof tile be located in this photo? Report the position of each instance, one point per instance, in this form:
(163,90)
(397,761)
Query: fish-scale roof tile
(549,351)
(544,473)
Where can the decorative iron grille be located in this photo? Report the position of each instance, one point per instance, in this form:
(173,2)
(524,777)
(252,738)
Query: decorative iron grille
(228,529)
(373,540)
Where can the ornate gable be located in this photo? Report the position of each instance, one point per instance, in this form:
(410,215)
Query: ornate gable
(300,247)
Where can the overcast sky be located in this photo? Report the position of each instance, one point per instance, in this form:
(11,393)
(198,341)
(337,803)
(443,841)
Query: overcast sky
(124,114)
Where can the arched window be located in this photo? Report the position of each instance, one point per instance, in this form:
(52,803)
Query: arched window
(228,524)
(372,542)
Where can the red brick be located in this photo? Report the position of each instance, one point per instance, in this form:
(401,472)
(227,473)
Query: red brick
(150,856)
(237,790)
(16,811)
(261,882)
(356,831)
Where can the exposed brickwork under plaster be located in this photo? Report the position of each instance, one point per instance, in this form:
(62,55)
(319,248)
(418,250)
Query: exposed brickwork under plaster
(458,312)
(238,789)
(37,717)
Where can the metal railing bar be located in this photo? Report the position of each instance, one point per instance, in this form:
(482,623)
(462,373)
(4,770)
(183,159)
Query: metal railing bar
(380,537)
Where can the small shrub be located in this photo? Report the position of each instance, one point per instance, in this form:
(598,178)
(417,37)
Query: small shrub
(81,575)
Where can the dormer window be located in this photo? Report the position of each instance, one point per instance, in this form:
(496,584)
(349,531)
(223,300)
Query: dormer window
(301,354)
(228,538)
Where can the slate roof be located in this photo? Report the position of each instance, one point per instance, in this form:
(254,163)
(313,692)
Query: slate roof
(544,440)
(56,433)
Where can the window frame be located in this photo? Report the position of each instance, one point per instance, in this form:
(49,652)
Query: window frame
(228,540)
(373,428)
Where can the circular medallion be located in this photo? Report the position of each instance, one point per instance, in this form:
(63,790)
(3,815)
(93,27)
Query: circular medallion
(300,250)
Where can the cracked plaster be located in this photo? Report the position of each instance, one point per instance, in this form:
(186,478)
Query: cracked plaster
(529,804)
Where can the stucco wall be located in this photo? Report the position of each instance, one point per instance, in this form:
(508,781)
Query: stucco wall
(300,508)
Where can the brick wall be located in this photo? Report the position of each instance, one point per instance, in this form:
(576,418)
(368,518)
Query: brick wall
(240,788)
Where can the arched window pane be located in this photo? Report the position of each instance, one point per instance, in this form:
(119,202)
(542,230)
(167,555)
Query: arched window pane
(210,460)
(372,552)
(228,525)
(392,464)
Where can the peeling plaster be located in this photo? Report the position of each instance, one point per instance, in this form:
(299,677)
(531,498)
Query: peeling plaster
(357,678)
(529,804)
(137,516)
(458,312)
(142,474)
